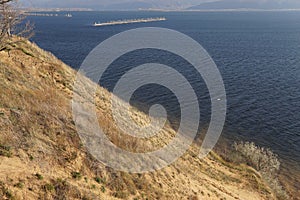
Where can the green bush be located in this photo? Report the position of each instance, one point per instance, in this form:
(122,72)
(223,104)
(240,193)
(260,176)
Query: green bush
(76,175)
(48,187)
(5,151)
(99,180)
(103,189)
(19,185)
(5,193)
(39,176)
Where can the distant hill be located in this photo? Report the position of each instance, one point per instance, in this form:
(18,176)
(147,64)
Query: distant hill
(247,4)
(96,5)
(111,5)
(129,6)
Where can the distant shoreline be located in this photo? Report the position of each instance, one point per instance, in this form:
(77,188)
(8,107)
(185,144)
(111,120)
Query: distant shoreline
(244,10)
(156,10)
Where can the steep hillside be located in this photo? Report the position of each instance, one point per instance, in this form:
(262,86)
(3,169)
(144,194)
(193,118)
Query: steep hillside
(42,157)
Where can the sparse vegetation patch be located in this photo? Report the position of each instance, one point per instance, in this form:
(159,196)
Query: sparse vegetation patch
(264,161)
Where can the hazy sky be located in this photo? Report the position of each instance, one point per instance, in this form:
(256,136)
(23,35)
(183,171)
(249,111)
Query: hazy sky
(133,3)
(87,3)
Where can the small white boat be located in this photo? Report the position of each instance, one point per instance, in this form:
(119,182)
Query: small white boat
(68,15)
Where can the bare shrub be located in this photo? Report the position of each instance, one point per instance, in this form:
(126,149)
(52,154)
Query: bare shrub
(264,161)
(11,23)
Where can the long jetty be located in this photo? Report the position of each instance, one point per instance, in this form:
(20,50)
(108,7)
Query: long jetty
(40,14)
(130,21)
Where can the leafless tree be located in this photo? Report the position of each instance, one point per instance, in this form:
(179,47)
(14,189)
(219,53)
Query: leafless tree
(11,23)
(4,1)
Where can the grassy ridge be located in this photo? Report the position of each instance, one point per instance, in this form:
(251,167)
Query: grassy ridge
(42,157)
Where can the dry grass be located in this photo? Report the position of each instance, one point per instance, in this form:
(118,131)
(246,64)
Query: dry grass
(38,136)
